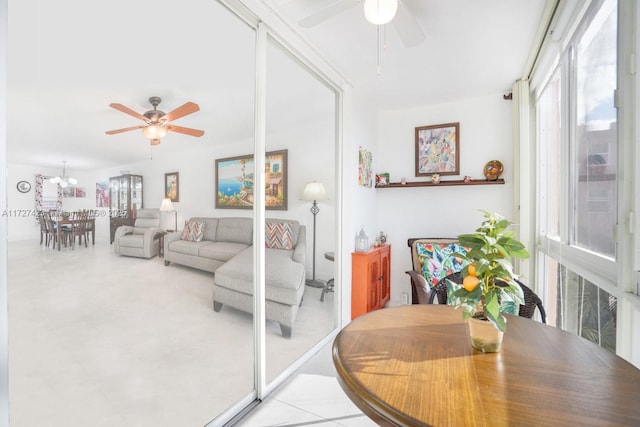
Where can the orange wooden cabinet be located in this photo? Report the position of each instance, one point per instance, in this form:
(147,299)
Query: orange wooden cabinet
(370,279)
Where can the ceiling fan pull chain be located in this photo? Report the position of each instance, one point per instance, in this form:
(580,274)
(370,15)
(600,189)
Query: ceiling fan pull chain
(378,50)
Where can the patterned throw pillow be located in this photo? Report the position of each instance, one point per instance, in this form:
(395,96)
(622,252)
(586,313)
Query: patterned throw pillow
(193,231)
(278,235)
(436,260)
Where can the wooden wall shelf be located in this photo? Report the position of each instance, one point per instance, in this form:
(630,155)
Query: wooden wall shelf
(441,183)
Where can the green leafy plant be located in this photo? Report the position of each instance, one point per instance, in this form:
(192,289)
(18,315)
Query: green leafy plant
(489,288)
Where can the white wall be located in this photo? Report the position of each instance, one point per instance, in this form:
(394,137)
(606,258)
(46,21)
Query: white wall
(486,133)
(358,203)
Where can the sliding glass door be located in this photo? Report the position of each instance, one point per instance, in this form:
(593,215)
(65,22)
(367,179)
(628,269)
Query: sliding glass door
(301,128)
(115,340)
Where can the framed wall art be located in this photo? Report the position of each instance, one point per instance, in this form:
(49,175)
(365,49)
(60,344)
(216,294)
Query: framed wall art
(102,194)
(172,186)
(234,181)
(68,192)
(81,192)
(365,161)
(438,149)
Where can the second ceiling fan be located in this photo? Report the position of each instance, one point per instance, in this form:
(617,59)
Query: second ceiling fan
(158,123)
(377,12)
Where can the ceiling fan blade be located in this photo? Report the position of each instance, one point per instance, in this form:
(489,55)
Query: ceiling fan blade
(329,11)
(113,132)
(407,27)
(186,131)
(128,111)
(183,110)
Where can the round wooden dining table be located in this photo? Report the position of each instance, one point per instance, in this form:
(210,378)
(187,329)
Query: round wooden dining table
(414,366)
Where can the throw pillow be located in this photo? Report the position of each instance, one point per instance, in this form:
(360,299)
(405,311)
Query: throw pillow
(278,235)
(193,231)
(437,261)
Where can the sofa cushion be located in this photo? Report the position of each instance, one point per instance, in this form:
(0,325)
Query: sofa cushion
(131,241)
(436,260)
(139,230)
(221,251)
(147,218)
(295,227)
(278,235)
(186,247)
(193,231)
(283,276)
(210,226)
(238,230)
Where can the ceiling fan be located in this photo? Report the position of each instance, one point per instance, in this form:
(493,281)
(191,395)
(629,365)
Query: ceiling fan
(378,12)
(158,123)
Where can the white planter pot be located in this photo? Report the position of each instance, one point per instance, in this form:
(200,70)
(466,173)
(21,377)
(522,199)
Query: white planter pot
(484,336)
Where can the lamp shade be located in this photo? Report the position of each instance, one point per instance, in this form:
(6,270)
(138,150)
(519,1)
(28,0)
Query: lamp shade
(166,205)
(314,191)
(379,12)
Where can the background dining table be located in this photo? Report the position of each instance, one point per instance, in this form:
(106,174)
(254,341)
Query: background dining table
(414,366)
(89,223)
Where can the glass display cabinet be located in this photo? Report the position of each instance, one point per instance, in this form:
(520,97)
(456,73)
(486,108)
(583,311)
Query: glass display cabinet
(125,195)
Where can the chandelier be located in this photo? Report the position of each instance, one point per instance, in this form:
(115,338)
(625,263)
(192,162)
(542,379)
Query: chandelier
(64,180)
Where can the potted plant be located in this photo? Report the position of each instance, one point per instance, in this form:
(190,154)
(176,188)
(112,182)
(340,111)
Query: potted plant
(489,289)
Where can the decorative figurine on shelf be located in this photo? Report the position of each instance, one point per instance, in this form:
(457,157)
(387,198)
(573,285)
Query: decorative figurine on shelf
(467,178)
(362,241)
(493,169)
(435,178)
(382,238)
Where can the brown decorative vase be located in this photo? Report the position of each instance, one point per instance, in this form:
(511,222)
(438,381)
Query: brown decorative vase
(484,336)
(493,169)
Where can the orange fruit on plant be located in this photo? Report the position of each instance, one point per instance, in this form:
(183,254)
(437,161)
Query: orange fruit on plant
(470,283)
(472,270)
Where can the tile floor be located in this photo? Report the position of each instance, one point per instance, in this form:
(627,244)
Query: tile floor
(312,397)
(97,339)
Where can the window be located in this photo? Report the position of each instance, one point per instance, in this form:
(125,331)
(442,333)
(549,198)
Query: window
(577,180)
(594,154)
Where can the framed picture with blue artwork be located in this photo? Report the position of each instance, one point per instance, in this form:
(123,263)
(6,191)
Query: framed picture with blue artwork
(234,181)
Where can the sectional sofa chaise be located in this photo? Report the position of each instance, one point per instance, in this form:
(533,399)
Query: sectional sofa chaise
(224,246)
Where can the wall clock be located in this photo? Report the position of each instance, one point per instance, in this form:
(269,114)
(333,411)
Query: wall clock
(23,186)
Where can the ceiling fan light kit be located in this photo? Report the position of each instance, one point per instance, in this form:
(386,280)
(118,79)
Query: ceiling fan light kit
(380,12)
(158,123)
(155,131)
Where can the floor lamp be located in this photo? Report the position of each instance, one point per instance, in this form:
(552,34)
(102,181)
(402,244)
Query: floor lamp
(313,192)
(167,206)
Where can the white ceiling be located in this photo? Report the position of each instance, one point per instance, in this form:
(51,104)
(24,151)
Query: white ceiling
(69,59)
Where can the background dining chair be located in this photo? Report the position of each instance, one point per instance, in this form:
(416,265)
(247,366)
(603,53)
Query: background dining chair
(90,223)
(52,230)
(531,300)
(44,236)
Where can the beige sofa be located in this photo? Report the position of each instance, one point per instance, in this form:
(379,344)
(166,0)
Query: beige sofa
(226,249)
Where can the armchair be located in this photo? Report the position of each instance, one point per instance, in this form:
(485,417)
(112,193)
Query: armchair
(141,239)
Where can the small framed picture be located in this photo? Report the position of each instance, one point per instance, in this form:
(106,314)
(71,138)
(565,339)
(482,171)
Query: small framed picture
(382,179)
(438,149)
(172,186)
